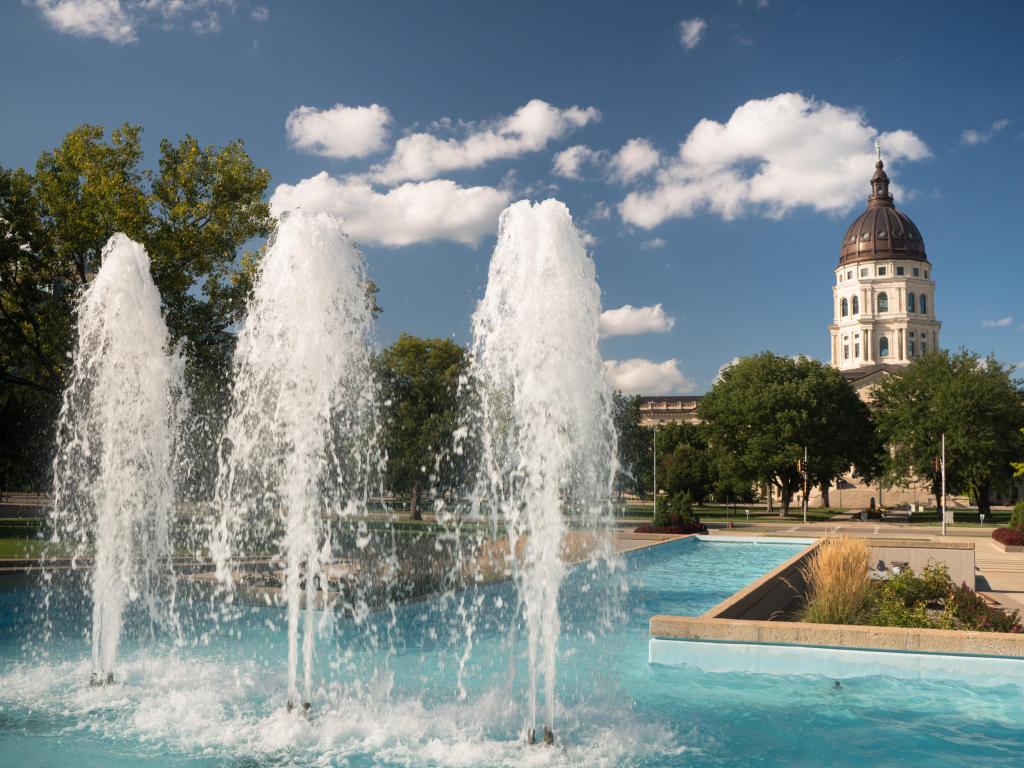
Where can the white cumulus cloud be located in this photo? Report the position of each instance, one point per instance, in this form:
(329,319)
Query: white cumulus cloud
(636,158)
(646,377)
(632,321)
(1002,322)
(975,136)
(105,19)
(529,129)
(410,213)
(119,21)
(653,243)
(340,131)
(772,155)
(691,31)
(569,162)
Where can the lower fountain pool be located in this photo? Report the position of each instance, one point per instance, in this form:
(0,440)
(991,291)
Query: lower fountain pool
(406,694)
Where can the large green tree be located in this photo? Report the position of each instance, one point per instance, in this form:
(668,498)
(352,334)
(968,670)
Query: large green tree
(635,445)
(684,461)
(974,402)
(766,409)
(420,381)
(193,211)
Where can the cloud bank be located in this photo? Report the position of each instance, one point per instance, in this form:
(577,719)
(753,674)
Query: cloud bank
(633,321)
(770,156)
(645,377)
(529,129)
(410,213)
(339,132)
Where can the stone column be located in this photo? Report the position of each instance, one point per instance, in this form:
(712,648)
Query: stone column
(900,344)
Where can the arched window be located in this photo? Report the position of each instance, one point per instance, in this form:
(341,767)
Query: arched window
(883,346)
(910,303)
(924,304)
(856,305)
(845,308)
(883,302)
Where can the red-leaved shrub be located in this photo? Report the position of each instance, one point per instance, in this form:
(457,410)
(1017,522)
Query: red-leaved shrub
(1011,537)
(695,526)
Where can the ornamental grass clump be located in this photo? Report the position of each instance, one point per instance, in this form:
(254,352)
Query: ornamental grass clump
(836,576)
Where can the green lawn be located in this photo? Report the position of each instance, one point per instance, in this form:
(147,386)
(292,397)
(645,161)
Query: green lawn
(11,548)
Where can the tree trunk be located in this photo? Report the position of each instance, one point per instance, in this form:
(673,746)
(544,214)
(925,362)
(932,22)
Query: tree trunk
(414,505)
(984,502)
(824,494)
(768,491)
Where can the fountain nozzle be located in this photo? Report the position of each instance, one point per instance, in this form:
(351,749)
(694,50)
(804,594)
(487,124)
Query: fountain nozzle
(548,736)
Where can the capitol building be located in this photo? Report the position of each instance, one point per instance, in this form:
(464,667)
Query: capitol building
(884,317)
(884,292)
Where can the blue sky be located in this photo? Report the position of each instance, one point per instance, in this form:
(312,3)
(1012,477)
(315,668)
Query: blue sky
(713,152)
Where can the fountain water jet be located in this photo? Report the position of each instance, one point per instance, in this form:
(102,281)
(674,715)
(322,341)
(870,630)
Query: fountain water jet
(299,443)
(113,489)
(547,437)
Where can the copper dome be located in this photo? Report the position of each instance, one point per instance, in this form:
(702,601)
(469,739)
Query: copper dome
(881,232)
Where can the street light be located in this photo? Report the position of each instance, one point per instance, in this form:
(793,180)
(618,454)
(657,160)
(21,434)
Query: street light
(654,453)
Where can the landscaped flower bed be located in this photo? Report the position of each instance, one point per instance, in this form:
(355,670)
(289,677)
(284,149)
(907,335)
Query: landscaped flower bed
(839,591)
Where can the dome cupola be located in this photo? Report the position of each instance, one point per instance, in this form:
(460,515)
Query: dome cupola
(881,231)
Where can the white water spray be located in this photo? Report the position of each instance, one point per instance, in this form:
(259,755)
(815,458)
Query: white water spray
(547,436)
(298,445)
(113,490)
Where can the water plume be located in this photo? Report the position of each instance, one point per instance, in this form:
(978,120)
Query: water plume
(546,434)
(299,445)
(113,490)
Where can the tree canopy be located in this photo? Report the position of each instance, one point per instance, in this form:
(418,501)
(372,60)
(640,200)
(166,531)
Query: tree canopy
(634,443)
(974,402)
(420,382)
(765,409)
(193,212)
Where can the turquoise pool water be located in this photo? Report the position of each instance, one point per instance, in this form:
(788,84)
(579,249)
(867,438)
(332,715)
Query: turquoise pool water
(218,701)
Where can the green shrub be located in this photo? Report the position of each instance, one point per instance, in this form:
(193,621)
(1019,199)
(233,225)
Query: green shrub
(1017,515)
(932,600)
(675,511)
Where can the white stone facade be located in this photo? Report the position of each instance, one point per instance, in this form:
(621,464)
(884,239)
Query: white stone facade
(883,313)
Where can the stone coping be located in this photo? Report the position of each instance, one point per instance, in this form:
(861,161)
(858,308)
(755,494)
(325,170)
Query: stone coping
(1007,547)
(944,641)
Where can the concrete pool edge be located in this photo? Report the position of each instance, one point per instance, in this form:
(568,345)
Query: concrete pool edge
(837,663)
(742,634)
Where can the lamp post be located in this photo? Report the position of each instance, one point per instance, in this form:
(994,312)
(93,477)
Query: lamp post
(943,483)
(654,454)
(807,487)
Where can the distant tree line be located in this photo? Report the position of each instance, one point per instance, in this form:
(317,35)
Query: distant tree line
(766,409)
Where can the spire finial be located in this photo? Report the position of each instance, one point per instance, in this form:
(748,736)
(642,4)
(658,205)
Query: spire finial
(878,150)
